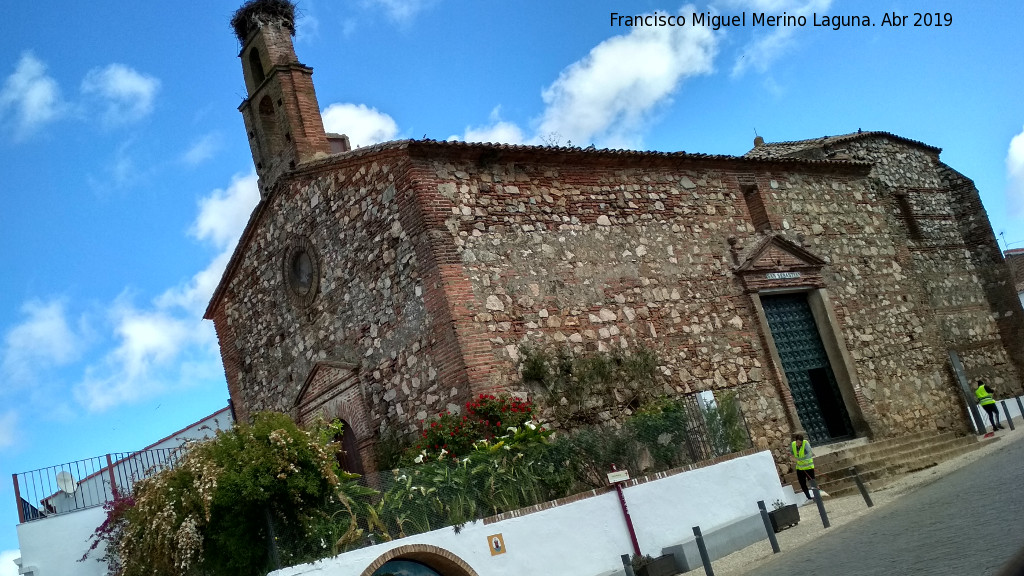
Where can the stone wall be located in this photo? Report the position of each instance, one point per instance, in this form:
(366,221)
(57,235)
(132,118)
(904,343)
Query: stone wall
(597,254)
(437,261)
(372,308)
(956,257)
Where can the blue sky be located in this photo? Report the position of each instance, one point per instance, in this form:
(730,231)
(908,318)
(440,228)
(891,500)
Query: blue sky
(127,176)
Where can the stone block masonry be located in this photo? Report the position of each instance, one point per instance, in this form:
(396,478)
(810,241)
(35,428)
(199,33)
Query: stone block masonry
(436,261)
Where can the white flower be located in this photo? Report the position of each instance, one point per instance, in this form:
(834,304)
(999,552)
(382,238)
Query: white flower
(513,429)
(443,452)
(419,459)
(402,478)
(507,447)
(529,424)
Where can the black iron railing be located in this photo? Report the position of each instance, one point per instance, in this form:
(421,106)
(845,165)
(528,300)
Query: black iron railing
(88,483)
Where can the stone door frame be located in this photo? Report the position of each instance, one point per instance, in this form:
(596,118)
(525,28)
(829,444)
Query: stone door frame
(835,349)
(776,266)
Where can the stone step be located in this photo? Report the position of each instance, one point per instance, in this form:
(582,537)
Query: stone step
(889,445)
(878,477)
(889,453)
(896,463)
(908,452)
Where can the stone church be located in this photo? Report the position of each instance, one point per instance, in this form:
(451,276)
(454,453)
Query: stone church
(826,281)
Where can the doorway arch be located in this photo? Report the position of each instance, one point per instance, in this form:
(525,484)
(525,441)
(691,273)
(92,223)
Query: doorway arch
(436,559)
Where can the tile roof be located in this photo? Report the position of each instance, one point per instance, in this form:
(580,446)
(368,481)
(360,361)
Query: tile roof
(794,147)
(526,149)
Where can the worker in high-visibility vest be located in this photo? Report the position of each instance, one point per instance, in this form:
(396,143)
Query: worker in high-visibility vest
(986,401)
(804,457)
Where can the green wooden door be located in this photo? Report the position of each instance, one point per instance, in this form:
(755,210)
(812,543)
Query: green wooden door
(819,404)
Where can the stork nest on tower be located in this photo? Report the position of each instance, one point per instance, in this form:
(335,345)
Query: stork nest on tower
(254,14)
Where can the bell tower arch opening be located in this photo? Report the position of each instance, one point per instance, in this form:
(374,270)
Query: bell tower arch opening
(256,67)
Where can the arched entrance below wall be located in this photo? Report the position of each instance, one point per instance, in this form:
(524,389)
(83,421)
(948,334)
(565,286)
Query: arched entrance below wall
(418,560)
(405,568)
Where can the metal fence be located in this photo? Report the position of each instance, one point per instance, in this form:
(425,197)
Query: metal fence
(88,483)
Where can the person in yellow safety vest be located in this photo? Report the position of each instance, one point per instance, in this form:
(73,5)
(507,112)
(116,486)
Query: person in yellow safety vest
(986,401)
(804,457)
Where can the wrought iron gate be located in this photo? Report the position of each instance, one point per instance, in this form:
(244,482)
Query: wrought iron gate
(819,404)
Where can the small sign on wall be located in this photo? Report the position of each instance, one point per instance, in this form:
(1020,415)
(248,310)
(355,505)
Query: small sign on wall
(496,544)
(781,275)
(618,476)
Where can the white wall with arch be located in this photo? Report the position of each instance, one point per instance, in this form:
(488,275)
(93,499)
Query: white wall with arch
(587,536)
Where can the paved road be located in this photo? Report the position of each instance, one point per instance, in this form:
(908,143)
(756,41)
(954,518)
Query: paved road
(937,530)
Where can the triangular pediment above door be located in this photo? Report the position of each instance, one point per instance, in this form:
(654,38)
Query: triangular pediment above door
(327,378)
(777,253)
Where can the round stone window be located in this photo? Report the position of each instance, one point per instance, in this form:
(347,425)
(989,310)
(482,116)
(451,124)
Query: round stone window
(301,271)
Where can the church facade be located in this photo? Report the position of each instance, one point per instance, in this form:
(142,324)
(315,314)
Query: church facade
(824,281)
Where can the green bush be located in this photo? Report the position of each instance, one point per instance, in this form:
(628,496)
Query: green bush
(214,513)
(661,428)
(576,388)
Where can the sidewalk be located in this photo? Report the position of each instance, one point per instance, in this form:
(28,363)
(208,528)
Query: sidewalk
(843,510)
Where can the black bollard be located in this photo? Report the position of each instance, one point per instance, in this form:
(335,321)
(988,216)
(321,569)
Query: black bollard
(704,558)
(627,564)
(821,506)
(1006,411)
(1021,406)
(861,487)
(768,527)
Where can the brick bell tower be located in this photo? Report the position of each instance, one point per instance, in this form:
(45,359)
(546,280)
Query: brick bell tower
(282,116)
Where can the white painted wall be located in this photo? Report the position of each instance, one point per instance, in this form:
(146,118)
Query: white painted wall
(587,537)
(54,544)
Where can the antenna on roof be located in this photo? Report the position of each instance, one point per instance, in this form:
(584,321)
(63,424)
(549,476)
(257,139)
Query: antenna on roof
(758,141)
(66,482)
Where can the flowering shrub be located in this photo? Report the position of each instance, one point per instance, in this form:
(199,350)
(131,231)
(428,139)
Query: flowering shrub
(486,417)
(496,413)
(486,461)
(109,532)
(214,513)
(448,433)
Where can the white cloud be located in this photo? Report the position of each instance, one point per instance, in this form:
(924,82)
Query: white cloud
(43,340)
(610,94)
(148,339)
(363,125)
(497,131)
(766,49)
(223,214)
(222,217)
(1015,174)
(8,429)
(401,11)
(7,565)
(128,94)
(168,345)
(33,96)
(201,150)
